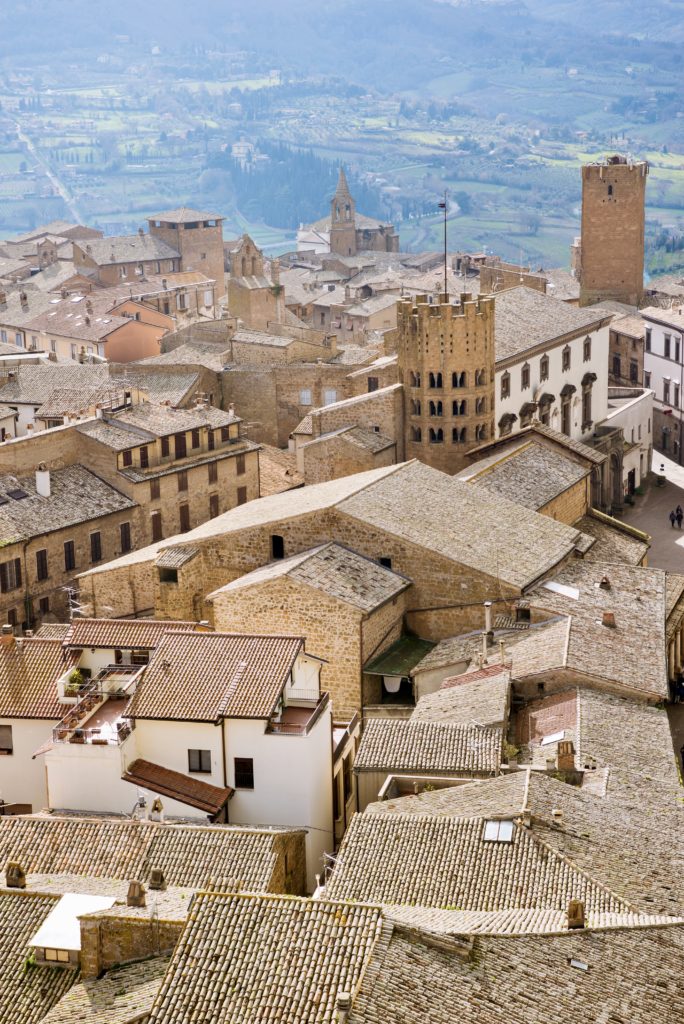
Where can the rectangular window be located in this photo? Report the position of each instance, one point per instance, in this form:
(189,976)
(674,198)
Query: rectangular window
(165,447)
(156,520)
(499,831)
(127,458)
(74,352)
(44,606)
(647,339)
(213,506)
(10,575)
(241,495)
(184,518)
(195,438)
(525,377)
(666,392)
(505,386)
(347,777)
(125,537)
(212,470)
(69,555)
(277,546)
(199,761)
(154,490)
(677,349)
(181,444)
(667,345)
(208,298)
(675,400)
(617,367)
(42,564)
(373,384)
(566,357)
(182,480)
(647,379)
(144,457)
(633,372)
(305,396)
(244,773)
(587,349)
(96,546)
(19,339)
(225,434)
(329,396)
(211,442)
(240,465)
(6,745)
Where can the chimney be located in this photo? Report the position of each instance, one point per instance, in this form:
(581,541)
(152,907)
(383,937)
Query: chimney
(609,620)
(488,619)
(576,914)
(14,876)
(23,298)
(136,895)
(7,635)
(565,756)
(157,881)
(43,480)
(485,640)
(28,633)
(343,1007)
(231,410)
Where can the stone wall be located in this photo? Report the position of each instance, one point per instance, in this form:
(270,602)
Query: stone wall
(626,354)
(571,505)
(107,942)
(328,458)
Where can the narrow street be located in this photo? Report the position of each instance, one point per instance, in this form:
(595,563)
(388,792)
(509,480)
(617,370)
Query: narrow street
(650,513)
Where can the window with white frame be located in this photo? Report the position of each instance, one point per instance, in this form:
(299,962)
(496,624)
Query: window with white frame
(305,396)
(329,396)
(499,831)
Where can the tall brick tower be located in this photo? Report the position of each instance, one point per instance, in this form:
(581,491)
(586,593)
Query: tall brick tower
(611,255)
(198,237)
(446,364)
(343,219)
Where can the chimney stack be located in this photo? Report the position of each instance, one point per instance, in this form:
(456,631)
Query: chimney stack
(136,895)
(565,756)
(343,1007)
(7,635)
(609,620)
(485,644)
(15,877)
(157,880)
(488,620)
(576,914)
(43,480)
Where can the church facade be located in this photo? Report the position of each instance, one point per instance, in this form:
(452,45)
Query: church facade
(345,232)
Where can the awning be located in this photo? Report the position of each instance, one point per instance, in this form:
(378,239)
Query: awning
(176,786)
(400,658)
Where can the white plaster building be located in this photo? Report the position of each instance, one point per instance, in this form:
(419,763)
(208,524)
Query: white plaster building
(631,409)
(551,364)
(173,719)
(664,375)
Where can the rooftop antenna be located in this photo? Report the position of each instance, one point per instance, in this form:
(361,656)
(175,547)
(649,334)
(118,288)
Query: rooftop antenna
(445,206)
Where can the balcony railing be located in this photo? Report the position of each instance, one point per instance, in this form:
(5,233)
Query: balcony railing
(295,721)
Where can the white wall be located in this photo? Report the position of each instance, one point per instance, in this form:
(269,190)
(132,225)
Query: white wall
(25,415)
(22,778)
(635,416)
(661,369)
(167,744)
(87,777)
(292,783)
(558,378)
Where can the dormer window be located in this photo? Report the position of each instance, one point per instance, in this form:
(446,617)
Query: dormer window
(499,831)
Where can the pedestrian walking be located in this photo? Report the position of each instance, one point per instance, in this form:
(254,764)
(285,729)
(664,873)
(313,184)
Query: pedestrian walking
(673,519)
(679,511)
(680,516)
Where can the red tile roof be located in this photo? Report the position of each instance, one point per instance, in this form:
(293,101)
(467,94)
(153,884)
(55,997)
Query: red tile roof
(177,786)
(127,633)
(29,670)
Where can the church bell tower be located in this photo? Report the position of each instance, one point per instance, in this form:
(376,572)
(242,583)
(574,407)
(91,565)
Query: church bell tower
(343,219)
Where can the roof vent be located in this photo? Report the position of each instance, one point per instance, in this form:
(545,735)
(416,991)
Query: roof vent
(576,914)
(136,895)
(14,875)
(605,583)
(565,756)
(157,880)
(343,1006)
(609,620)
(557,815)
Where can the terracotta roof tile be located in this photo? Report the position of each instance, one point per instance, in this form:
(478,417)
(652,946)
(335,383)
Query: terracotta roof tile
(177,786)
(428,747)
(121,996)
(29,670)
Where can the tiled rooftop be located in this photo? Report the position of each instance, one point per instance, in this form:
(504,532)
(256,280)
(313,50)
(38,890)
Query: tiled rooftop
(533,474)
(246,958)
(428,747)
(29,670)
(613,542)
(26,993)
(204,677)
(465,701)
(191,791)
(334,570)
(123,995)
(124,633)
(526,318)
(127,249)
(107,848)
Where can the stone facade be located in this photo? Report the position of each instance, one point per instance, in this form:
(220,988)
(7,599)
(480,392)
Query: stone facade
(107,941)
(328,458)
(199,242)
(612,243)
(334,630)
(572,504)
(626,353)
(446,364)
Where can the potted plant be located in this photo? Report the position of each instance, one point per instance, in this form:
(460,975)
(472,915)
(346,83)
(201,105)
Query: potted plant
(74,683)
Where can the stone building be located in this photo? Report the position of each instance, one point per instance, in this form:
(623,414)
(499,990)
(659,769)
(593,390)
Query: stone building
(626,352)
(254,295)
(446,365)
(346,232)
(610,261)
(198,239)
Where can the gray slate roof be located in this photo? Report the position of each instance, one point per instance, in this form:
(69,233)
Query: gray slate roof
(531,474)
(526,318)
(127,249)
(428,747)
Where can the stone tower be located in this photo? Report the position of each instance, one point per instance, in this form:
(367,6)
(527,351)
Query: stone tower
(343,219)
(198,237)
(611,249)
(446,364)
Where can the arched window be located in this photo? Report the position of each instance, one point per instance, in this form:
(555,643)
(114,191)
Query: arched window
(566,357)
(244,267)
(525,376)
(414,377)
(480,432)
(610,190)
(415,406)
(544,368)
(458,380)
(480,378)
(254,266)
(416,434)
(436,409)
(435,380)
(459,435)
(480,405)
(459,408)
(506,385)
(436,436)
(347,212)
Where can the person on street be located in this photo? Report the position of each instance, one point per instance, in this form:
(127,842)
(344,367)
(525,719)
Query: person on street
(680,515)
(673,519)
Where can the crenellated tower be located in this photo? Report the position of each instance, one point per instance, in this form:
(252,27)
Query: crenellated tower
(446,364)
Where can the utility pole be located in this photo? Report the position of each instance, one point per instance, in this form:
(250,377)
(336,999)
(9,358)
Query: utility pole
(445,206)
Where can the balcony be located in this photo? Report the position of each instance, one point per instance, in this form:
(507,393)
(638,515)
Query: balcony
(298,719)
(97,715)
